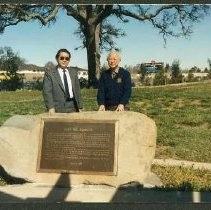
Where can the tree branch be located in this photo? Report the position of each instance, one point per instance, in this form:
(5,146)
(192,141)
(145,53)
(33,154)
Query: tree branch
(104,11)
(78,12)
(142,14)
(13,14)
(170,20)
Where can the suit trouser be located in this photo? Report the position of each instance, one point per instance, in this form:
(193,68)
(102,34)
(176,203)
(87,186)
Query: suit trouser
(69,106)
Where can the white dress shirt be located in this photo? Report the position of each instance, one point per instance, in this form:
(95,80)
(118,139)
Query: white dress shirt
(68,80)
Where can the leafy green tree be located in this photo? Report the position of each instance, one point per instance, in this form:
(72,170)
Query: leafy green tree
(195,69)
(49,65)
(190,76)
(209,71)
(167,70)
(167,67)
(209,63)
(176,76)
(104,67)
(206,69)
(10,62)
(143,73)
(170,20)
(160,78)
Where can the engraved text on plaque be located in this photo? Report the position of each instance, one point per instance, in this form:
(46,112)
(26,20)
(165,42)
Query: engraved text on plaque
(78,146)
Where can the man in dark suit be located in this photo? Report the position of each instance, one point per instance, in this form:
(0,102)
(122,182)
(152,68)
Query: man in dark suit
(61,88)
(114,89)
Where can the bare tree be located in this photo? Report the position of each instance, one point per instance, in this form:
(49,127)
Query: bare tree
(170,20)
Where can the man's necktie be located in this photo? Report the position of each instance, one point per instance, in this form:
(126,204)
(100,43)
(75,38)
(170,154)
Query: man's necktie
(113,75)
(66,84)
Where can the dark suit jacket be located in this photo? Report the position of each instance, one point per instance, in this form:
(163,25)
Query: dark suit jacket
(112,92)
(54,93)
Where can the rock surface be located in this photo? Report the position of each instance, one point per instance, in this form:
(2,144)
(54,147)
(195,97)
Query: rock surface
(19,142)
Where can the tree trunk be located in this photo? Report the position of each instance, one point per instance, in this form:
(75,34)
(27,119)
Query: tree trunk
(97,43)
(93,54)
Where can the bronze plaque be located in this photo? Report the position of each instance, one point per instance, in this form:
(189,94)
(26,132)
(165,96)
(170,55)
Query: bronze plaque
(78,146)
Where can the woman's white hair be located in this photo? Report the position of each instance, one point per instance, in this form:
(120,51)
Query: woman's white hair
(114,52)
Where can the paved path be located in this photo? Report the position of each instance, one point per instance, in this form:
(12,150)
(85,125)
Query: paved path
(184,163)
(28,193)
(38,193)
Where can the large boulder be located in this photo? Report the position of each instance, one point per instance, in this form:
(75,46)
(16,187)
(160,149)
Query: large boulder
(19,143)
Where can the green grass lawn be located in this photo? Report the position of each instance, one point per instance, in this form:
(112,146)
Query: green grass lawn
(182,114)
(183,118)
(183,178)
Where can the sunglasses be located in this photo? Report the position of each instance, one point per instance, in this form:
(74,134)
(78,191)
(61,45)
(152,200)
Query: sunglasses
(64,58)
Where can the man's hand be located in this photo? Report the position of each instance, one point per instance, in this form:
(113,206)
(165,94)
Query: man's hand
(120,108)
(51,111)
(101,108)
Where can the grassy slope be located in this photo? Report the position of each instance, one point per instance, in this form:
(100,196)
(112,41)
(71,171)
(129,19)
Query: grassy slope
(182,114)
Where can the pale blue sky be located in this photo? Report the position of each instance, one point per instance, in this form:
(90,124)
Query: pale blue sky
(39,44)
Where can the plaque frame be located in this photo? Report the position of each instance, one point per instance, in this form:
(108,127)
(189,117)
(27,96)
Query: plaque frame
(44,120)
